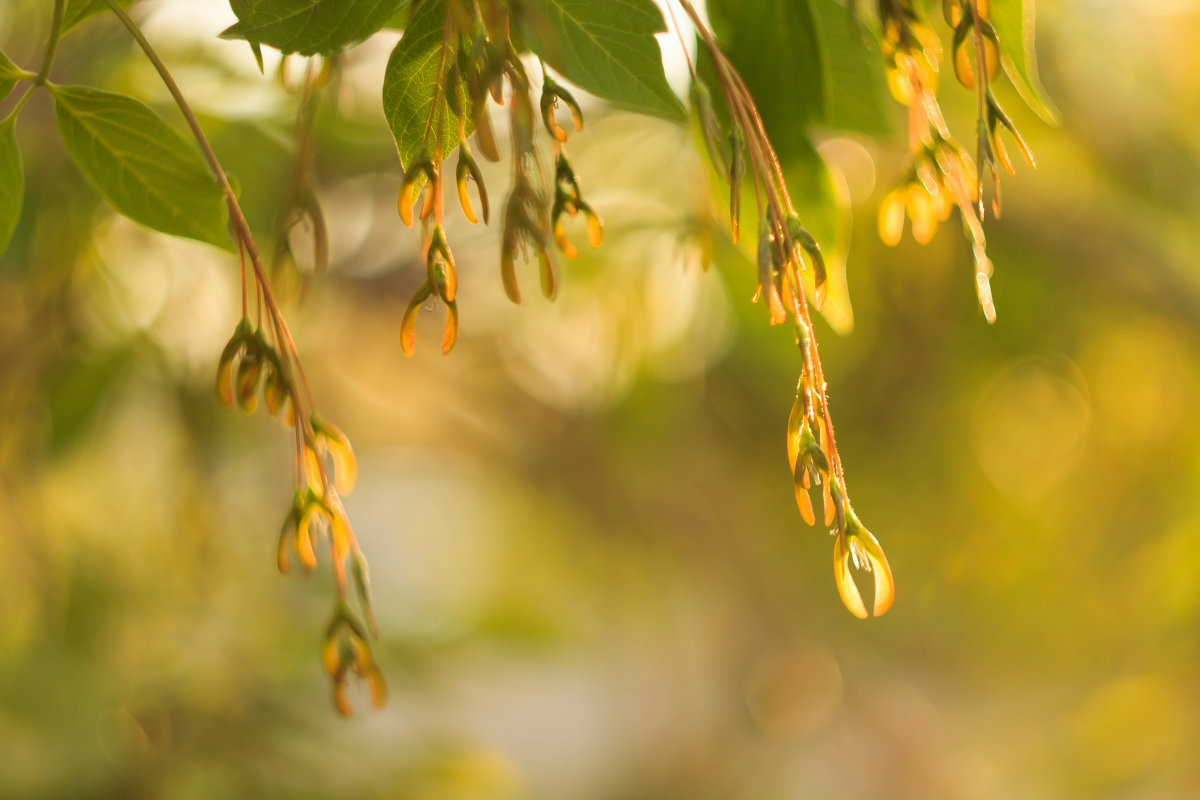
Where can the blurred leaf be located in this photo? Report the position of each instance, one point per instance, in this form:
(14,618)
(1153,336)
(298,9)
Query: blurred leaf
(606,47)
(773,44)
(10,73)
(855,99)
(143,167)
(12,182)
(408,88)
(76,392)
(79,10)
(400,19)
(1014,23)
(309,26)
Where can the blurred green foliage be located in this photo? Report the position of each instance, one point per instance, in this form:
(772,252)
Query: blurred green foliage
(589,570)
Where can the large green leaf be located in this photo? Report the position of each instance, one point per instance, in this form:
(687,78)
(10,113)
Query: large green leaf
(310,26)
(606,47)
(414,73)
(143,167)
(773,45)
(79,10)
(1013,21)
(10,73)
(855,91)
(12,182)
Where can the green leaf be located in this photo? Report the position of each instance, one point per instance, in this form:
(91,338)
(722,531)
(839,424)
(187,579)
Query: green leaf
(773,45)
(77,391)
(1013,21)
(142,167)
(409,84)
(10,73)
(310,26)
(605,47)
(854,84)
(79,10)
(12,182)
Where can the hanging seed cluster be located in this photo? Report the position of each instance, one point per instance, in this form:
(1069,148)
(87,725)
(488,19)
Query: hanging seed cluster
(260,359)
(478,54)
(791,275)
(941,176)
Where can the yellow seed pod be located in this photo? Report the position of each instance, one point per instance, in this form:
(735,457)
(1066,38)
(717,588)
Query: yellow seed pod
(378,687)
(408,324)
(803,501)
(405,201)
(561,241)
(891,216)
(546,270)
(304,538)
(225,369)
(339,531)
(921,211)
(329,655)
(595,226)
(795,426)
(340,701)
(450,331)
(508,274)
(249,372)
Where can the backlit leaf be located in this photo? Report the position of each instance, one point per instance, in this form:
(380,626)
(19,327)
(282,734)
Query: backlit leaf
(606,47)
(1014,22)
(307,27)
(854,93)
(79,10)
(417,66)
(10,73)
(140,164)
(773,45)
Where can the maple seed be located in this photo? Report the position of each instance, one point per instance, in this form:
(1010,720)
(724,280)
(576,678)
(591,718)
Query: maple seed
(856,546)
(467,168)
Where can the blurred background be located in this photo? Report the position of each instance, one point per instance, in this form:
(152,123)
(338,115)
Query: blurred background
(589,571)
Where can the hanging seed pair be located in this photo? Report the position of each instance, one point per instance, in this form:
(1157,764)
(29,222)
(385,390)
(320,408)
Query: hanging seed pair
(530,221)
(257,364)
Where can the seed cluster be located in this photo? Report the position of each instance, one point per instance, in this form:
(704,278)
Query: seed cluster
(941,175)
